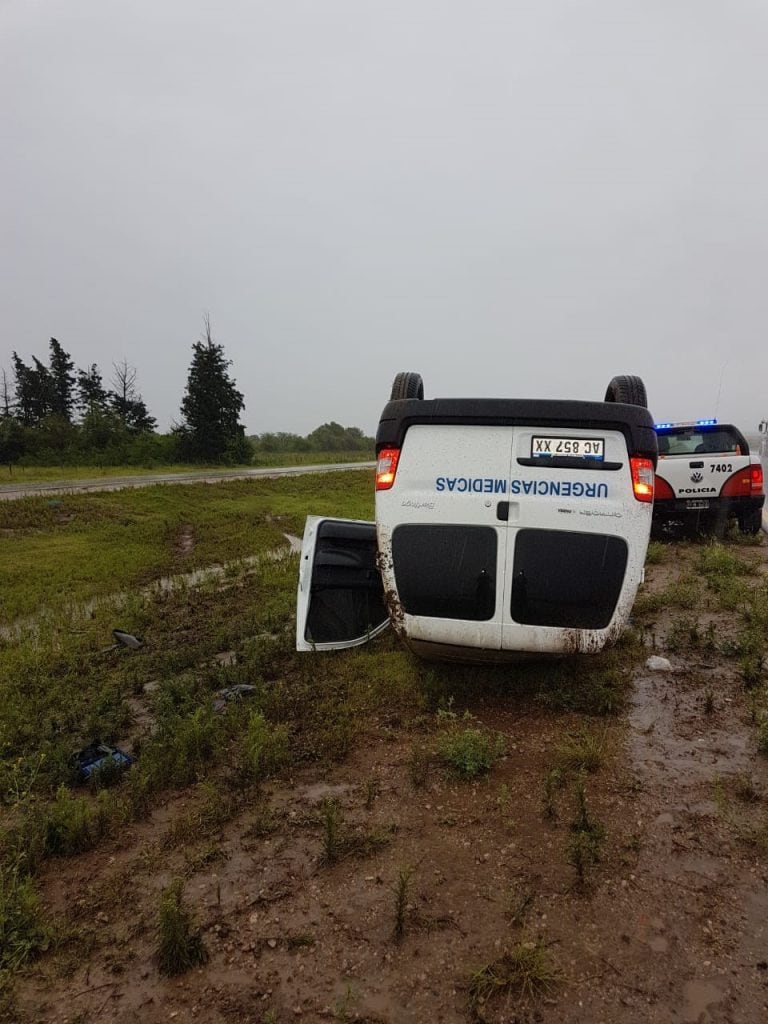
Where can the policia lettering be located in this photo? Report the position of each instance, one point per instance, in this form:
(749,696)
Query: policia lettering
(495,485)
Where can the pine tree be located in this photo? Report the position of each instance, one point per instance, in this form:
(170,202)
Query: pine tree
(63,381)
(34,391)
(91,394)
(43,391)
(211,406)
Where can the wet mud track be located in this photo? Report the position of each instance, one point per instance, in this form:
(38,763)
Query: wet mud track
(669,927)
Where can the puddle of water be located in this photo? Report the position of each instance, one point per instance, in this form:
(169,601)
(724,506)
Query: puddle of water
(322,791)
(698,997)
(664,744)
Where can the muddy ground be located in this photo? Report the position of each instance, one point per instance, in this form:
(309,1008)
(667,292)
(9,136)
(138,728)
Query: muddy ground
(669,925)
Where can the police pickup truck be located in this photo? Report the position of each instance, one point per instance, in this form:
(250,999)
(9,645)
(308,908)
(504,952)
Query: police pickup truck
(502,525)
(707,475)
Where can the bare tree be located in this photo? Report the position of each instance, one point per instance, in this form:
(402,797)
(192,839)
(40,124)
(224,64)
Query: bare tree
(124,381)
(126,402)
(6,402)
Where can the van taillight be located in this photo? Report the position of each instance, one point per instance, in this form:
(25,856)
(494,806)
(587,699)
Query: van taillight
(756,474)
(386,468)
(662,489)
(642,478)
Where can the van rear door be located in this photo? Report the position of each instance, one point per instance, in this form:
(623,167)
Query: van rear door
(573,519)
(340,600)
(441,528)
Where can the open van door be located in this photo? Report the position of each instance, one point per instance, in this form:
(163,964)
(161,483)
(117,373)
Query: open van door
(340,602)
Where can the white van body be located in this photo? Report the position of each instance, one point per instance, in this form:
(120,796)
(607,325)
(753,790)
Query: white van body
(508,526)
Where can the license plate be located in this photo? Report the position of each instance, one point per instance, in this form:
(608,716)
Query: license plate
(568,447)
(697,503)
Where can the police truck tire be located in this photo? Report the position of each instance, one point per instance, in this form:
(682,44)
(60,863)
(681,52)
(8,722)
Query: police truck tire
(407,385)
(750,522)
(628,390)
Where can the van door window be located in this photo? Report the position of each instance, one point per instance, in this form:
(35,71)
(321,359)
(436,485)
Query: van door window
(347,592)
(446,571)
(571,580)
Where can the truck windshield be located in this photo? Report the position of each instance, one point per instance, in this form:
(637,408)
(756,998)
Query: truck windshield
(695,441)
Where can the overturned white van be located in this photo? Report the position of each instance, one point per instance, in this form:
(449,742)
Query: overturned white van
(502,526)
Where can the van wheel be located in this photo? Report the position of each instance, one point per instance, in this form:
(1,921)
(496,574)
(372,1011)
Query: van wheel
(627,389)
(407,385)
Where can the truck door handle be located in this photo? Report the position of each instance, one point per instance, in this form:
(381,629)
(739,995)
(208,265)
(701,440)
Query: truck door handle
(502,511)
(697,465)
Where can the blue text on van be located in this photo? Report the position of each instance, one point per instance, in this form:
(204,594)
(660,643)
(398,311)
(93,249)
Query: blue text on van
(495,485)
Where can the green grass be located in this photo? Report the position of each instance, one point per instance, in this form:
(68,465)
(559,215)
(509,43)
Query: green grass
(657,553)
(684,592)
(264,747)
(88,546)
(586,840)
(582,751)
(60,688)
(339,841)
(22,932)
(180,946)
(526,970)
(470,750)
(21,475)
(721,560)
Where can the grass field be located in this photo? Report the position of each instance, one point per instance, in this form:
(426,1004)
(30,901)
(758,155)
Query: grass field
(209,789)
(52,474)
(60,688)
(81,546)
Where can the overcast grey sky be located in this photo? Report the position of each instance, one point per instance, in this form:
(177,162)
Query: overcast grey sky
(515,199)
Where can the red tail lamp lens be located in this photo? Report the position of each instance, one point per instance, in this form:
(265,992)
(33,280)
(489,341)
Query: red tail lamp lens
(757,479)
(386,468)
(663,490)
(739,485)
(642,478)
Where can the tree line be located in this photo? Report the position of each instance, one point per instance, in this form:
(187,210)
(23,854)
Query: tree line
(52,413)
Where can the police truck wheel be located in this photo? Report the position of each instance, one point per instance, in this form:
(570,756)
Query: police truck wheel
(407,385)
(628,390)
(751,522)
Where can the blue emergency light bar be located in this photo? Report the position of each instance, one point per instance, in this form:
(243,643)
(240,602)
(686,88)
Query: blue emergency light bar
(687,423)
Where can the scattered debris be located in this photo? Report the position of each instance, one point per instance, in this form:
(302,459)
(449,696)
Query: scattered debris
(657,664)
(98,757)
(123,639)
(232,693)
(127,639)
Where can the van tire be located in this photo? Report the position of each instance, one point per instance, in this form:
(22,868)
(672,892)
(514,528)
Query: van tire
(628,390)
(407,385)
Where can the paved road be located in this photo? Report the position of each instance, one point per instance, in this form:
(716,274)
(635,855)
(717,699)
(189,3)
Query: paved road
(116,483)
